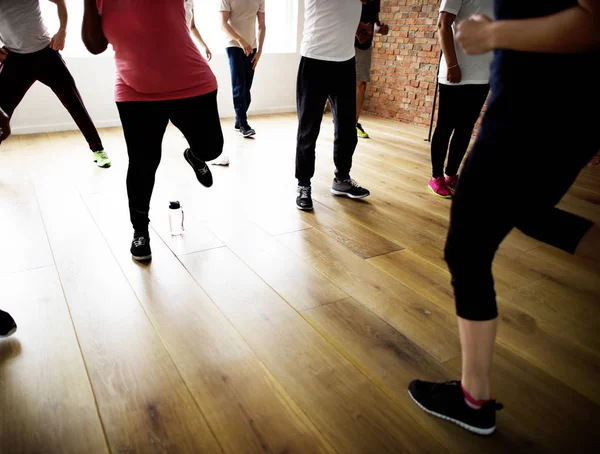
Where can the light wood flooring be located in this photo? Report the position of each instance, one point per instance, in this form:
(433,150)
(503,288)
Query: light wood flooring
(267,330)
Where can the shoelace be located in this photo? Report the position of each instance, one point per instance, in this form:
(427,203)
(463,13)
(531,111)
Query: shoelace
(139,241)
(354,184)
(304,192)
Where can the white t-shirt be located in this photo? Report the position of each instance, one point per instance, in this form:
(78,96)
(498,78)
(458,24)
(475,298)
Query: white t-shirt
(329,29)
(475,68)
(242,19)
(189,12)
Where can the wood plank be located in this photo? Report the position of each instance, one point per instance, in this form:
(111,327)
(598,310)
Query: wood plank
(425,323)
(351,412)
(143,402)
(243,404)
(45,395)
(392,360)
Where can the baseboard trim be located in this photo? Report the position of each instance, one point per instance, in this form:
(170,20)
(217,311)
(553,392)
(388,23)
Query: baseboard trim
(71,126)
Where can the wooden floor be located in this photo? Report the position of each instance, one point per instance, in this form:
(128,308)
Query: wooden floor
(267,330)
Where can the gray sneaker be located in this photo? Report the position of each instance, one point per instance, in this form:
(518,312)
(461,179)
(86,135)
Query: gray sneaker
(349,188)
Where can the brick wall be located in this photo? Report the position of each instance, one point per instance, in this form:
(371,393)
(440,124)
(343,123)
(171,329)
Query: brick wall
(405,62)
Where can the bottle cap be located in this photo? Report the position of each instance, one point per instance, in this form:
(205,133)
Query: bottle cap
(174,205)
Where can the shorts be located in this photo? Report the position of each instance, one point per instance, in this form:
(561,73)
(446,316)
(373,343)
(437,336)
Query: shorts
(363,64)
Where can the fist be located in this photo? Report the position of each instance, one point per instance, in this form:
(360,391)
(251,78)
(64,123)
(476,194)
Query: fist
(364,32)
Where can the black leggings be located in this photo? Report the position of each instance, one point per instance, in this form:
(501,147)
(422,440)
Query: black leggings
(144,125)
(459,110)
(502,187)
(319,80)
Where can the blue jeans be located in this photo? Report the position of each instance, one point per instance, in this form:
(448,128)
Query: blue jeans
(242,76)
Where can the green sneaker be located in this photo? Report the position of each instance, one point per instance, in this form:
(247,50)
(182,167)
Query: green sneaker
(102,159)
(361,132)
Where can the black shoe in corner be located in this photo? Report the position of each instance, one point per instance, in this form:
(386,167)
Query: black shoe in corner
(8,325)
(202,171)
(304,200)
(247,131)
(140,247)
(447,401)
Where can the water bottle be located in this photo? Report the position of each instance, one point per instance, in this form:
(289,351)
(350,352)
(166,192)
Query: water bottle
(176,217)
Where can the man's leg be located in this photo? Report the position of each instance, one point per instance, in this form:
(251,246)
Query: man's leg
(53,72)
(249,80)
(363,76)
(16,78)
(237,64)
(311,95)
(144,125)
(361,89)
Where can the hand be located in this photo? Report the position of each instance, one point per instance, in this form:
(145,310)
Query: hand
(475,34)
(364,32)
(247,47)
(3,54)
(58,40)
(382,29)
(454,75)
(208,53)
(255,59)
(4,126)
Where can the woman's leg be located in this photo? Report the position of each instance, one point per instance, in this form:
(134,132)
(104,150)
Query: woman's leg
(471,101)
(144,125)
(443,128)
(205,144)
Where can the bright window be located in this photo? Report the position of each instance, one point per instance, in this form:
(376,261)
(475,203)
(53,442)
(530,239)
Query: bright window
(281,17)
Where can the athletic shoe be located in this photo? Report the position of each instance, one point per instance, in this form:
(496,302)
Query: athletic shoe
(7,324)
(237,127)
(102,160)
(222,160)
(304,200)
(349,188)
(140,247)
(447,401)
(247,131)
(200,168)
(361,132)
(451,183)
(439,188)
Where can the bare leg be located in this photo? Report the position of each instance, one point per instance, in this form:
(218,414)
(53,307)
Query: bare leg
(361,89)
(477,344)
(589,247)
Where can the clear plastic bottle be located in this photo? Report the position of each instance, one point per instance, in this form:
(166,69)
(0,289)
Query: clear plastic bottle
(176,217)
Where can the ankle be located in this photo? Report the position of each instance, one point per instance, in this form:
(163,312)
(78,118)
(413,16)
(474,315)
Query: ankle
(476,388)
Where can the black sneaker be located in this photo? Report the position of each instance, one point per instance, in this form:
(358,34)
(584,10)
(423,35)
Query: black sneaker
(447,401)
(140,247)
(349,188)
(202,171)
(304,200)
(7,324)
(247,131)
(237,126)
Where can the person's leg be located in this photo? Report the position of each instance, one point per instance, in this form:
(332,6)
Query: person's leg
(144,125)
(361,89)
(53,72)
(363,76)
(472,99)
(447,111)
(237,65)
(185,115)
(249,79)
(311,95)
(16,78)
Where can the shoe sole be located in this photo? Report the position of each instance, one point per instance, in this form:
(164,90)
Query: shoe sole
(345,194)
(247,135)
(105,166)
(475,430)
(304,209)
(143,258)
(446,197)
(10,333)
(185,155)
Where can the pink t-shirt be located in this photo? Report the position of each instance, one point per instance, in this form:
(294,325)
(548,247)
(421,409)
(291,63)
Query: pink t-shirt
(154,52)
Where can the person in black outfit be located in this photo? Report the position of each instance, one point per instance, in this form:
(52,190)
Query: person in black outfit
(546,55)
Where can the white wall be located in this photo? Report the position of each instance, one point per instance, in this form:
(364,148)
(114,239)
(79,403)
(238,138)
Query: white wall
(274,91)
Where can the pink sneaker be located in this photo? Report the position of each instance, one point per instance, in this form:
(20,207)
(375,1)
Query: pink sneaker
(439,188)
(451,183)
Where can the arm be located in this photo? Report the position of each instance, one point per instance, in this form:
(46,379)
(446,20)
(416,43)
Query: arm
(262,33)
(4,126)
(446,39)
(198,36)
(91,31)
(573,30)
(229,31)
(58,40)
